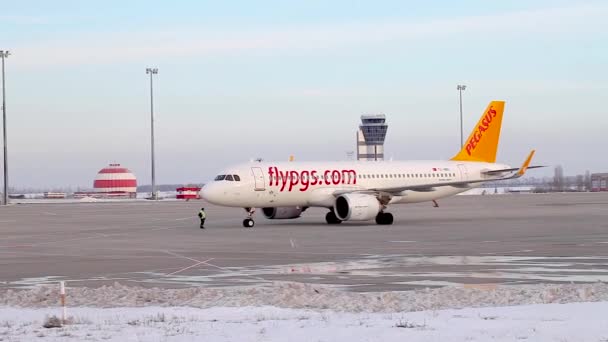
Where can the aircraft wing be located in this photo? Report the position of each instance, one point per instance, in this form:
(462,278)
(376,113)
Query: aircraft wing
(494,172)
(458,184)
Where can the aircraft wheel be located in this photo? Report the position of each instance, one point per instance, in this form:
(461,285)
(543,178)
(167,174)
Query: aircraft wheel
(248,223)
(384,218)
(331,218)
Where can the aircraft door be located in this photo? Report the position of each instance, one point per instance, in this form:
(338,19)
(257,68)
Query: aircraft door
(464,174)
(258,176)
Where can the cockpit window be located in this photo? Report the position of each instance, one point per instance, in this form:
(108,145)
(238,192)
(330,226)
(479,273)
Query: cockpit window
(237,178)
(229,178)
(220,177)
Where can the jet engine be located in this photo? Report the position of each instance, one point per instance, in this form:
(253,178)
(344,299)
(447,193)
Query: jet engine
(274,213)
(356,207)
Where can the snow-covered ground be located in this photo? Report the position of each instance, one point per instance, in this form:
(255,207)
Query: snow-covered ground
(542,322)
(305,312)
(309,296)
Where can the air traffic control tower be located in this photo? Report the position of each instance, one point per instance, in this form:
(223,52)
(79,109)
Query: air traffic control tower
(370,137)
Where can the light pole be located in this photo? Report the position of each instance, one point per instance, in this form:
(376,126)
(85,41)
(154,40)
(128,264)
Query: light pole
(151,72)
(461,88)
(3,55)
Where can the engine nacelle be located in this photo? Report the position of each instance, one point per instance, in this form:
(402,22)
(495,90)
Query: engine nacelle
(356,207)
(275,213)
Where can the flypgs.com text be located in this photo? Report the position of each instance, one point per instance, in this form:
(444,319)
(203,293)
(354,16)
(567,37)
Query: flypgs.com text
(303,180)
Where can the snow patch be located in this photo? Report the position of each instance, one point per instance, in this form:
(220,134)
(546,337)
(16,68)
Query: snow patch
(307,296)
(539,323)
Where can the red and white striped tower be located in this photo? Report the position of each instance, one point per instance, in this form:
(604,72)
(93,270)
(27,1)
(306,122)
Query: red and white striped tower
(115,179)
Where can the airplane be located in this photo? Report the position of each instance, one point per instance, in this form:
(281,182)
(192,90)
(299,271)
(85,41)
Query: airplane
(362,190)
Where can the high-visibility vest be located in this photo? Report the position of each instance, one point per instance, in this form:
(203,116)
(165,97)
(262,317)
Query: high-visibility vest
(202,214)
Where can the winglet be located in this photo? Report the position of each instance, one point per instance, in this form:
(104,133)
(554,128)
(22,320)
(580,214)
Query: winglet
(524,167)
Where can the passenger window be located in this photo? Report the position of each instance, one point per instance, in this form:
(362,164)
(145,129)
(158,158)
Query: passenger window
(237,178)
(229,178)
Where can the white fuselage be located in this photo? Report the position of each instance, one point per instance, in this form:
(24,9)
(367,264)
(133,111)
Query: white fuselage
(314,184)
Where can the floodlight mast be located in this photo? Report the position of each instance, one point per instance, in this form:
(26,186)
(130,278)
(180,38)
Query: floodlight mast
(461,88)
(3,55)
(151,72)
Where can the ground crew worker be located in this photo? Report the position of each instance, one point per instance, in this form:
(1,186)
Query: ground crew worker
(202,215)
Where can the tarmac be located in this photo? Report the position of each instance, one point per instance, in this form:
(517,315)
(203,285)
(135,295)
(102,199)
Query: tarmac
(467,241)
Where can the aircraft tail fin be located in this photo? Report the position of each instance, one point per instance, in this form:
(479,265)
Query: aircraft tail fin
(482,143)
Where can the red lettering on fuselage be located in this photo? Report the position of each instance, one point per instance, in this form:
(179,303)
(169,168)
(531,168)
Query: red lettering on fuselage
(303,180)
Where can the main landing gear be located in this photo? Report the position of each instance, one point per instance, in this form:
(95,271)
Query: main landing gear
(384,218)
(331,218)
(249,222)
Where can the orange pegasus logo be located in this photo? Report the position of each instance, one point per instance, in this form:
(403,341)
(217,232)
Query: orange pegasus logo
(484,125)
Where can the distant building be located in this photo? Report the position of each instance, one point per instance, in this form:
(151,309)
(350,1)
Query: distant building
(113,181)
(370,137)
(188,192)
(55,195)
(599,182)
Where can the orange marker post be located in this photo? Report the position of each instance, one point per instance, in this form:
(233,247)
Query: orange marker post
(62,293)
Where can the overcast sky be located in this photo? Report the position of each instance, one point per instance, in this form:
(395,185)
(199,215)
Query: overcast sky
(245,79)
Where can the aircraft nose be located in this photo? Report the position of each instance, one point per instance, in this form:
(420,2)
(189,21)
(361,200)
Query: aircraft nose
(210,192)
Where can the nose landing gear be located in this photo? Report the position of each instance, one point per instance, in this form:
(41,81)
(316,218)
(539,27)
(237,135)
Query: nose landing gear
(384,218)
(249,222)
(331,218)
